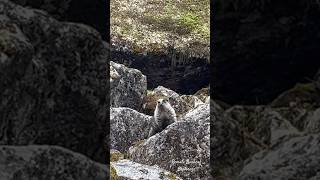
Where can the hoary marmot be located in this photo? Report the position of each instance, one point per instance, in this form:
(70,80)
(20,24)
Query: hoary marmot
(164,115)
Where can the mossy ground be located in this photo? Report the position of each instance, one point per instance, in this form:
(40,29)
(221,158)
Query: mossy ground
(116,156)
(113,173)
(153,25)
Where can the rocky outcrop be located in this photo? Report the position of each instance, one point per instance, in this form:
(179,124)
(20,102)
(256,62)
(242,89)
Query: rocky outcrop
(181,103)
(185,78)
(182,148)
(127,127)
(47,162)
(127,169)
(93,13)
(275,141)
(203,93)
(53,87)
(301,96)
(128,86)
(312,122)
(298,158)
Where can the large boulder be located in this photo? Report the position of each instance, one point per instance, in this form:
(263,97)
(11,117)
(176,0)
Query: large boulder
(263,123)
(127,127)
(53,87)
(90,12)
(242,131)
(301,96)
(312,122)
(128,86)
(182,148)
(126,169)
(226,146)
(297,158)
(48,162)
(180,103)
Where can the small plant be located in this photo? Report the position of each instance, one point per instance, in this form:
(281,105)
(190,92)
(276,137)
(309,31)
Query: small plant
(189,20)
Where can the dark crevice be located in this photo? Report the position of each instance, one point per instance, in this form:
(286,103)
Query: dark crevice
(185,78)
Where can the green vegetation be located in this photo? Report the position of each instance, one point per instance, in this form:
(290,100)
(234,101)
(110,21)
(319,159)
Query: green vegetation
(116,156)
(172,176)
(113,173)
(304,88)
(154,24)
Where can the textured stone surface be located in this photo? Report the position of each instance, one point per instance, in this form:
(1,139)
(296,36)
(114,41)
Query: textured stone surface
(298,158)
(53,86)
(181,103)
(90,12)
(127,127)
(128,86)
(127,169)
(242,131)
(47,162)
(182,148)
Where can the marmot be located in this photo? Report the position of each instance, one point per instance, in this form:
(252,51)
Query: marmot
(164,115)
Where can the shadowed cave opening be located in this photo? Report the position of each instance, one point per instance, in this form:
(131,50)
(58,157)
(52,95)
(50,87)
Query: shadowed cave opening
(183,78)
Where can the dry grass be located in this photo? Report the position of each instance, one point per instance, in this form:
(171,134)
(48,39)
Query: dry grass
(154,25)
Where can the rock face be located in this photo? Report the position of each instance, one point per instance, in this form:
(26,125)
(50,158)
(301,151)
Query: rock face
(182,148)
(128,86)
(127,127)
(185,78)
(93,13)
(276,141)
(173,149)
(298,158)
(47,162)
(53,84)
(126,169)
(181,103)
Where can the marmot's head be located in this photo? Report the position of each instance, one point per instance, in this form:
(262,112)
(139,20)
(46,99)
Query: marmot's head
(163,103)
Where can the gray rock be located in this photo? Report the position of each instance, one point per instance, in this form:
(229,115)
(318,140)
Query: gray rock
(227,146)
(83,11)
(127,169)
(48,162)
(182,148)
(128,86)
(53,87)
(313,122)
(181,103)
(297,158)
(127,127)
(242,131)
